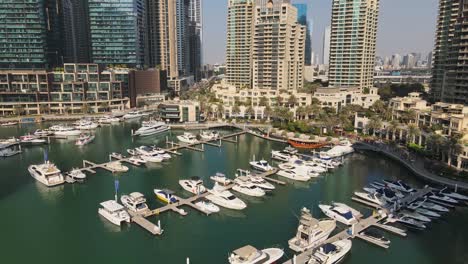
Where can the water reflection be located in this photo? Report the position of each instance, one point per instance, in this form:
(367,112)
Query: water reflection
(51,195)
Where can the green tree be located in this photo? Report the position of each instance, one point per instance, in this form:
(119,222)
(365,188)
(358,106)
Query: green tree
(412,132)
(292,100)
(250,112)
(393,126)
(104,106)
(235,110)
(268,112)
(374,124)
(220,110)
(18,110)
(263,101)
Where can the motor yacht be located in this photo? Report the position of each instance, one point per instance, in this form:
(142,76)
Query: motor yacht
(30,139)
(445,191)
(155,158)
(152,127)
(86,125)
(375,236)
(11,123)
(339,213)
(161,152)
(76,174)
(434,207)
(43,132)
(441,198)
(407,221)
(209,135)
(331,253)
(220,196)
(133,115)
(221,179)
(371,197)
(282,155)
(135,202)
(385,193)
(47,174)
(114,212)
(290,150)
(193,185)
(261,165)
(5,143)
(244,186)
(427,212)
(118,155)
(137,160)
(60,130)
(116,166)
(188,138)
(9,147)
(107,120)
(415,215)
(255,180)
(207,206)
(310,232)
(85,139)
(147,154)
(293,175)
(311,166)
(250,255)
(343,149)
(399,185)
(300,170)
(166,195)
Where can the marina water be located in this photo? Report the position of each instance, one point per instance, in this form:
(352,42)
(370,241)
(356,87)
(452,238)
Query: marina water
(61,224)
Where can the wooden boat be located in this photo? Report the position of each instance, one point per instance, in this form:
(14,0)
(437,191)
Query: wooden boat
(306,144)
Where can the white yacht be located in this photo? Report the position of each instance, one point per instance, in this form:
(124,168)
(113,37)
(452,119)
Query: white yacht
(60,130)
(311,165)
(220,196)
(47,174)
(310,232)
(5,143)
(155,158)
(435,207)
(385,193)
(187,138)
(135,202)
(452,195)
(343,149)
(399,185)
(116,166)
(300,170)
(11,123)
(371,197)
(43,132)
(261,165)
(133,115)
(406,221)
(85,125)
(162,153)
(282,155)
(152,127)
(255,180)
(250,255)
(107,120)
(76,174)
(221,179)
(193,185)
(244,186)
(30,139)
(440,198)
(339,213)
(209,135)
(137,160)
(415,216)
(331,253)
(9,151)
(166,196)
(207,206)
(114,212)
(85,139)
(290,172)
(147,153)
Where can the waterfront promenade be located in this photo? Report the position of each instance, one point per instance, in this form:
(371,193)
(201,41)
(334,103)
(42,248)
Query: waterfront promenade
(413,163)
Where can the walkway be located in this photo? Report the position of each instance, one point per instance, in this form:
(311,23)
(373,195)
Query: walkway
(416,165)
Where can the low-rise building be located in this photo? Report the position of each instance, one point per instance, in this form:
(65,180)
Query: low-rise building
(340,97)
(180,111)
(448,118)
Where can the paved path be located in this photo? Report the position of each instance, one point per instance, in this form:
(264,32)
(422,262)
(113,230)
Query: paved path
(416,165)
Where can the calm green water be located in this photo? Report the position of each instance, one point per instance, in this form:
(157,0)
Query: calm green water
(61,225)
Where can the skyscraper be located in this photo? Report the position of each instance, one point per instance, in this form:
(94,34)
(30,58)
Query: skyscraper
(326,46)
(450,63)
(302,19)
(118,32)
(76,31)
(239,42)
(196,37)
(352,43)
(278,47)
(154,32)
(396,61)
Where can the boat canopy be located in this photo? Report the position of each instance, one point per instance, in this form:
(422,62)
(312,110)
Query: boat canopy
(328,248)
(137,196)
(112,206)
(245,252)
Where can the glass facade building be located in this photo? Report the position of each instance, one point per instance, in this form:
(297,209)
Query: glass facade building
(117,30)
(302,19)
(23,36)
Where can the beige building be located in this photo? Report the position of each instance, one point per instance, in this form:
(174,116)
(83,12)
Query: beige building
(278,47)
(449,118)
(352,43)
(180,111)
(411,102)
(340,97)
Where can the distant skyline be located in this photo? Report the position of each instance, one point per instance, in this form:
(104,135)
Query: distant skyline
(404,26)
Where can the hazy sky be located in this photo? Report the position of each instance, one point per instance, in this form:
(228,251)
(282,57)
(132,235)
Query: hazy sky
(404,26)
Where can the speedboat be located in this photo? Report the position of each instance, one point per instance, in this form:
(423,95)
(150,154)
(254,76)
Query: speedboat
(293,175)
(9,151)
(29,139)
(386,194)
(290,150)
(76,174)
(187,138)
(85,125)
(114,212)
(258,181)
(116,166)
(161,152)
(399,185)
(439,197)
(11,123)
(47,174)
(261,165)
(193,185)
(407,221)
(331,253)
(310,232)
(375,236)
(152,158)
(377,186)
(435,207)
(311,166)
(43,132)
(60,130)
(282,155)
(244,186)
(135,202)
(426,212)
(415,216)
(221,178)
(117,155)
(339,213)
(137,160)
(165,195)
(452,195)
(133,115)
(250,255)
(5,143)
(371,197)
(299,169)
(209,135)
(151,128)
(207,206)
(108,120)
(220,196)
(85,139)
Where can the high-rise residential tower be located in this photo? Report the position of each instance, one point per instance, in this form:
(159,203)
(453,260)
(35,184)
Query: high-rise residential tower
(278,47)
(118,32)
(153,32)
(450,62)
(76,31)
(302,19)
(352,43)
(326,46)
(239,42)
(196,37)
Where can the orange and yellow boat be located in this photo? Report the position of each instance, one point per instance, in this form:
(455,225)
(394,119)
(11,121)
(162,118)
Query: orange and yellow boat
(306,144)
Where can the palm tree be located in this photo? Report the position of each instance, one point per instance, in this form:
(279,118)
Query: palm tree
(292,100)
(279,100)
(18,110)
(412,132)
(301,112)
(393,125)
(454,147)
(434,143)
(250,111)
(220,110)
(104,106)
(267,112)
(263,101)
(375,123)
(313,110)
(235,110)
